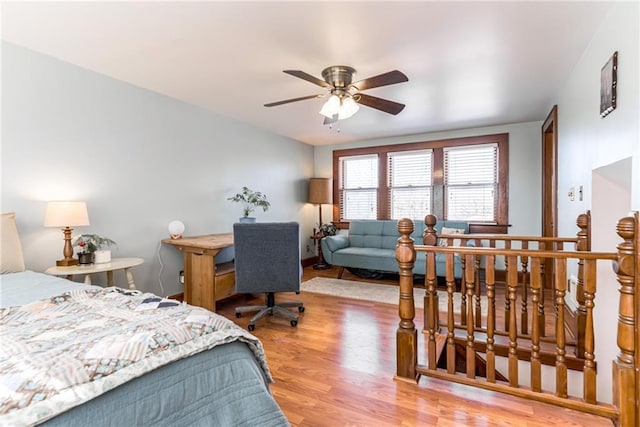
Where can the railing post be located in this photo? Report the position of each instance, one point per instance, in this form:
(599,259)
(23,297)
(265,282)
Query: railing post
(584,244)
(624,375)
(406,335)
(430,237)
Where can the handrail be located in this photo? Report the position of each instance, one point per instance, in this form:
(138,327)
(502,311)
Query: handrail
(470,250)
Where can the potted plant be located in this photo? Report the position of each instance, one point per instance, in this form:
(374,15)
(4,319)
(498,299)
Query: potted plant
(93,248)
(327,230)
(250,200)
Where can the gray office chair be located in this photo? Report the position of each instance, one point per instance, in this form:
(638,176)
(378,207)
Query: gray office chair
(267,259)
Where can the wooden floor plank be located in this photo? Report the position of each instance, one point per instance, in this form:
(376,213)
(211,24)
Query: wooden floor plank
(336,369)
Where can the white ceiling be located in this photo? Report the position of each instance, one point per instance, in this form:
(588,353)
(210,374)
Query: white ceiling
(469,64)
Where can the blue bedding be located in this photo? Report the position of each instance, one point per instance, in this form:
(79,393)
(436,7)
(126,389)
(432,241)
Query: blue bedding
(223,386)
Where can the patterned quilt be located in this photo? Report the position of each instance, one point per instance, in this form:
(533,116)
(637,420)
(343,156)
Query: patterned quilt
(62,351)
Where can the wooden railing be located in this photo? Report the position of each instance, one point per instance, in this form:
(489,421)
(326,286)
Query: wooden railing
(624,408)
(581,242)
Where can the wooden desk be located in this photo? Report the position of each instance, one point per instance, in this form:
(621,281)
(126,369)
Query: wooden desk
(204,284)
(108,267)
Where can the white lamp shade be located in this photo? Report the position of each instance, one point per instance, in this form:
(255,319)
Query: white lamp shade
(331,107)
(348,108)
(176,229)
(66,214)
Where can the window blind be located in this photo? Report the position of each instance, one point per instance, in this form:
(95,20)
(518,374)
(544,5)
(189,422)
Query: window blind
(470,180)
(358,187)
(409,178)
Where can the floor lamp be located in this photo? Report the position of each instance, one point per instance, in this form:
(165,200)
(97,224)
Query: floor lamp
(320,193)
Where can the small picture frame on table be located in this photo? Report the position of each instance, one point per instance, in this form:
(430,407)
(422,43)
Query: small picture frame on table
(608,85)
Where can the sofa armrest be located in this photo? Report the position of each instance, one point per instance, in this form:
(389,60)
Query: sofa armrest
(333,243)
(330,244)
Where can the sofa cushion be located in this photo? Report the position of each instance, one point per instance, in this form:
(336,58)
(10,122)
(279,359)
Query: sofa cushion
(366,234)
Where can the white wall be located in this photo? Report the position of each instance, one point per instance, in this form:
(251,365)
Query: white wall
(602,155)
(139,160)
(587,141)
(525,164)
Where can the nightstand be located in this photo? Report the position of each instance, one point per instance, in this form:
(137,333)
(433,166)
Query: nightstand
(108,267)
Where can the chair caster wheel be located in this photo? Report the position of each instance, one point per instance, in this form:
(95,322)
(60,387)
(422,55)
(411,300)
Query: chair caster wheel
(301,309)
(294,323)
(251,327)
(238,315)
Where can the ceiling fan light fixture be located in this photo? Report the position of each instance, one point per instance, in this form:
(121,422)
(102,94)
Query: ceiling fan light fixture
(348,108)
(331,107)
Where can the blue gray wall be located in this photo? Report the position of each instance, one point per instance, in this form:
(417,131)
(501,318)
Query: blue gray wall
(139,160)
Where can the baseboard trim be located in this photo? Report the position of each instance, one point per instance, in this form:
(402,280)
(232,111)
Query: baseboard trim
(307,262)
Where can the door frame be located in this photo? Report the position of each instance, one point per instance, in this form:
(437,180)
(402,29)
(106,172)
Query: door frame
(550,185)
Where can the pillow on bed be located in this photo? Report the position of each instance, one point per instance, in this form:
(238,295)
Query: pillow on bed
(447,230)
(11,260)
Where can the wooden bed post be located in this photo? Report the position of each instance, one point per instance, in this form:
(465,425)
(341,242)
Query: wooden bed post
(584,244)
(624,376)
(406,335)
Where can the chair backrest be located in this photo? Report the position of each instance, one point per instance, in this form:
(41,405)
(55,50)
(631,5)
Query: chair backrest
(267,257)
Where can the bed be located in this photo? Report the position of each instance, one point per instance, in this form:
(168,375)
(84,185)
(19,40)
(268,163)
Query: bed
(74,354)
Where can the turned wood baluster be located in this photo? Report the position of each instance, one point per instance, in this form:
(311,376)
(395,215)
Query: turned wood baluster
(430,238)
(431,302)
(536,288)
(589,336)
(478,290)
(406,335)
(583,244)
(560,267)
(512,289)
(540,308)
(507,302)
(463,293)
(451,287)
(524,314)
(625,382)
(470,287)
(490,281)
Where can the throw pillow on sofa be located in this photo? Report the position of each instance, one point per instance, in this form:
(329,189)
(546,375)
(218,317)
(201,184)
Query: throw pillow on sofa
(447,230)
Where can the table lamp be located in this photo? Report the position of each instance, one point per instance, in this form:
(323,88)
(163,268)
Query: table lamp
(176,229)
(320,193)
(66,215)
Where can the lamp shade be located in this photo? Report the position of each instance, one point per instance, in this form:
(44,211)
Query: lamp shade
(176,228)
(66,214)
(331,107)
(348,108)
(320,191)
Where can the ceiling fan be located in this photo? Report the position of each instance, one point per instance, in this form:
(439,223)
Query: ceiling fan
(344,96)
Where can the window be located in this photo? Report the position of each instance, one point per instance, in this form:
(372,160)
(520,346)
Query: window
(470,179)
(359,187)
(410,190)
(456,179)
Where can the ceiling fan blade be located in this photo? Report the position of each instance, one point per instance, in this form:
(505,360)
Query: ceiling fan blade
(379,103)
(390,78)
(308,77)
(328,121)
(286,101)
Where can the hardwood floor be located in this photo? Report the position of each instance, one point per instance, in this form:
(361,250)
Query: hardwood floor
(336,369)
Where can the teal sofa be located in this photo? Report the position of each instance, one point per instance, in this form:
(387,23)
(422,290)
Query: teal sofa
(370,245)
